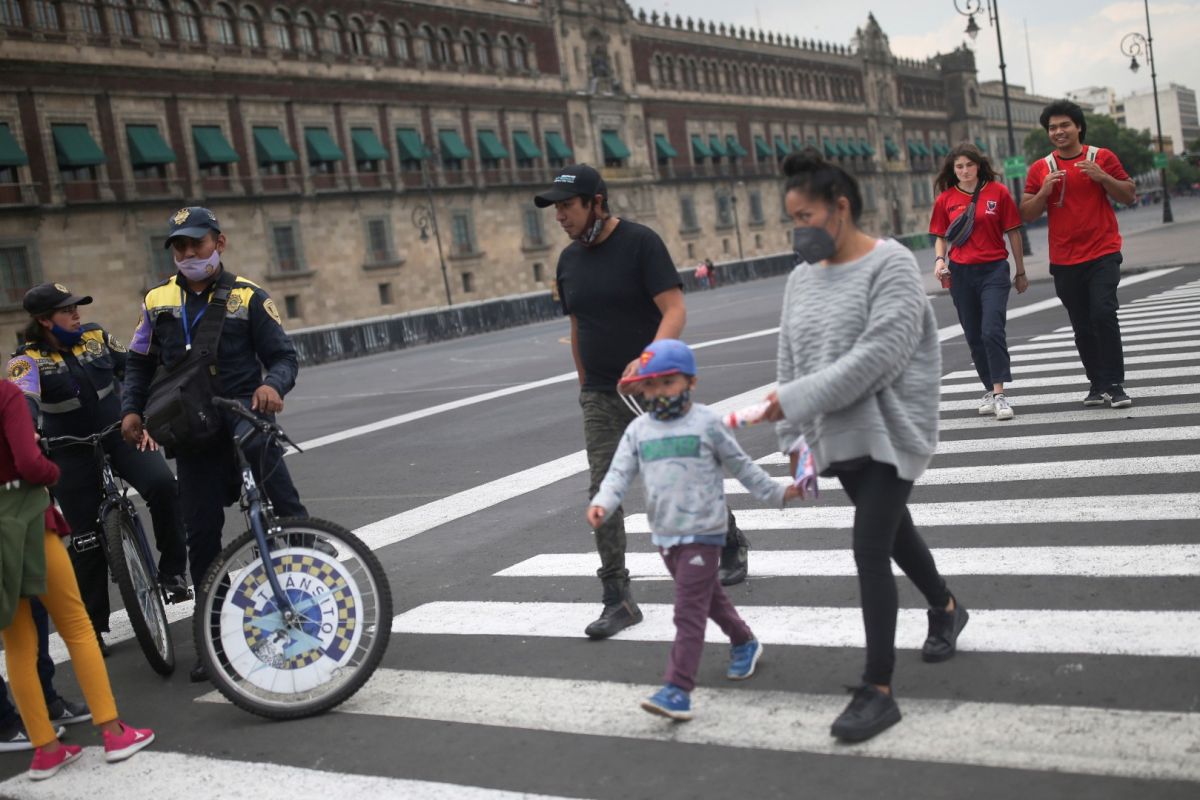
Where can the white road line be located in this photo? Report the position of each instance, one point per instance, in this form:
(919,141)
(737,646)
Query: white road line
(1149,745)
(1137,347)
(1076,398)
(1169,302)
(1131,377)
(1187,290)
(155,773)
(1165,323)
(1060,417)
(1095,632)
(1037,471)
(1073,364)
(1060,341)
(1170,560)
(1160,311)
(969,513)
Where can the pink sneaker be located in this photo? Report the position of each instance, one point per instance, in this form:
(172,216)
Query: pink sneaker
(46,764)
(126,743)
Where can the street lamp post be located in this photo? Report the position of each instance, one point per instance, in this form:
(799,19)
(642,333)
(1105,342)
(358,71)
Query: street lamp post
(737,228)
(969,9)
(425,217)
(1133,45)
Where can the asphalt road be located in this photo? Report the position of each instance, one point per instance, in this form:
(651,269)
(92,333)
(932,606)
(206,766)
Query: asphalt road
(483,685)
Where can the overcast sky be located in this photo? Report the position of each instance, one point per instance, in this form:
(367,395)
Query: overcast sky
(1072,43)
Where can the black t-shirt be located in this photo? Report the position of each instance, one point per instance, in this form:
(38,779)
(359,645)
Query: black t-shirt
(610,291)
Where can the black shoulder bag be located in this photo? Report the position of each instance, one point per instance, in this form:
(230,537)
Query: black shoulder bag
(179,412)
(960,229)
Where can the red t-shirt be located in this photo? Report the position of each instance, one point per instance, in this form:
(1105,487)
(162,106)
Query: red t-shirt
(995,215)
(1084,227)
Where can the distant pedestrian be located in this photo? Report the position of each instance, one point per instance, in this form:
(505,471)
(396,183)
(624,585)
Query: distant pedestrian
(712,273)
(702,275)
(681,449)
(973,215)
(859,372)
(1073,186)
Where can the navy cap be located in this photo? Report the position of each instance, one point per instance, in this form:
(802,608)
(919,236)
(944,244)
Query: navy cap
(193,222)
(47,297)
(664,357)
(577,180)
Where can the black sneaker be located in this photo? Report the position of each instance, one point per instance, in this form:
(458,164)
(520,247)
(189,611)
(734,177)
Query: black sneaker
(176,588)
(944,627)
(13,737)
(1116,397)
(1095,397)
(870,713)
(64,712)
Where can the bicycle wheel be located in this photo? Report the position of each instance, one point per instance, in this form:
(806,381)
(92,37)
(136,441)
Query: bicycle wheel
(141,595)
(280,670)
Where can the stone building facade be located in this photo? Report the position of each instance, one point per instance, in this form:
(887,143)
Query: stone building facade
(323,132)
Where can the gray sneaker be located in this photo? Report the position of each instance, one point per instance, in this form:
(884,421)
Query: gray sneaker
(987,405)
(13,737)
(1003,409)
(64,712)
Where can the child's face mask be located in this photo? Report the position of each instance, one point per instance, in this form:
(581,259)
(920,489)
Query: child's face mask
(672,406)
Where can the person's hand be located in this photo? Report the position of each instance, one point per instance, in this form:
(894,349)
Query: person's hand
(774,412)
(1092,170)
(941,272)
(630,370)
(1051,182)
(793,491)
(1021,282)
(147,442)
(131,429)
(266,400)
(595,516)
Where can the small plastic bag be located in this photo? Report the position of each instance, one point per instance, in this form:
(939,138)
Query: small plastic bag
(806,469)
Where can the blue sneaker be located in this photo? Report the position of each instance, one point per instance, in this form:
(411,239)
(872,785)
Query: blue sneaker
(670,701)
(742,659)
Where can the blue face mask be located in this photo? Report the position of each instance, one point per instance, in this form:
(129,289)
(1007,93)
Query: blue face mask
(64,336)
(665,408)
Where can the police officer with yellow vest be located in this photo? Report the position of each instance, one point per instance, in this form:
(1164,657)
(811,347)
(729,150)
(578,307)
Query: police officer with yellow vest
(256,364)
(69,372)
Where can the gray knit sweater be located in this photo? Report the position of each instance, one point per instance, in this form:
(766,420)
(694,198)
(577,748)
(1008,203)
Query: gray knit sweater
(860,361)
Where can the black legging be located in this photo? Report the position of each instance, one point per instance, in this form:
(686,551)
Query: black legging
(883,530)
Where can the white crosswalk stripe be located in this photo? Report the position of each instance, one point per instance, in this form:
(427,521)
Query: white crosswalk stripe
(1137,347)
(1058,366)
(1074,399)
(1131,376)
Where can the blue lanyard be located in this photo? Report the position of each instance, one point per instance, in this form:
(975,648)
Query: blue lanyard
(187,328)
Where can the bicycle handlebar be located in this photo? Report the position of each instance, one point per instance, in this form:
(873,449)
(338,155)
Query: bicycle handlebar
(262,425)
(91,439)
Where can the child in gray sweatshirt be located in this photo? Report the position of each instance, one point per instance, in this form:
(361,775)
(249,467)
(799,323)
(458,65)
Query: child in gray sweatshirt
(681,449)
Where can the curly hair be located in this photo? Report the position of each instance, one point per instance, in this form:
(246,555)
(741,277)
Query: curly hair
(946,177)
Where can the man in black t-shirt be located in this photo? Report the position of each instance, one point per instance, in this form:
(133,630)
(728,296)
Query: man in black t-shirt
(617,283)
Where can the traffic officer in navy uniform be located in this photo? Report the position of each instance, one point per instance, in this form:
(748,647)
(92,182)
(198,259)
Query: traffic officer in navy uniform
(69,371)
(256,365)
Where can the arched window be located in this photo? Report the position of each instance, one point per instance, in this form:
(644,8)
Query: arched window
(160,26)
(334,35)
(358,37)
(89,15)
(503,52)
(484,50)
(187,21)
(306,35)
(377,39)
(10,14)
(468,49)
(251,27)
(401,40)
(658,69)
(445,46)
(520,54)
(426,45)
(225,30)
(122,18)
(281,35)
(45,15)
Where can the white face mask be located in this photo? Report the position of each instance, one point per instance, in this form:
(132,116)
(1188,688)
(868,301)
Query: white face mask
(199,269)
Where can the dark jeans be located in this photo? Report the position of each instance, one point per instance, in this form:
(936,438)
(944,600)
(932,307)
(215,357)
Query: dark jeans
(1088,292)
(209,481)
(45,665)
(980,293)
(883,531)
(605,418)
(79,493)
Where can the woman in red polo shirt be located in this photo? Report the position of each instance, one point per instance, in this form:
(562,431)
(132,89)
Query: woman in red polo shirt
(978,266)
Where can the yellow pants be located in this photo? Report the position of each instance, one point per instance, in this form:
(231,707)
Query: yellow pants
(71,620)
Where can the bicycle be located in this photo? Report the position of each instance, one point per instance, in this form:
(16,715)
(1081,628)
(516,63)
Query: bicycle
(303,636)
(122,539)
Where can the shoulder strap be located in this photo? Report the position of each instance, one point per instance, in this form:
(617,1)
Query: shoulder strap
(1050,162)
(209,329)
(1092,152)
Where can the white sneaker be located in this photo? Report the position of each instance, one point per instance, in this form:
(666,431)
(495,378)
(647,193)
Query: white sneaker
(1003,409)
(987,405)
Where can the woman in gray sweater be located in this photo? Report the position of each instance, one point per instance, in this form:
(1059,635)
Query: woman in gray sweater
(859,371)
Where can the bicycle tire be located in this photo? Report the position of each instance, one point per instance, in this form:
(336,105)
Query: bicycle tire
(142,597)
(248,653)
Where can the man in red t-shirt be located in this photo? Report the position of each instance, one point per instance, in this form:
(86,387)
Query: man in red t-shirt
(1085,244)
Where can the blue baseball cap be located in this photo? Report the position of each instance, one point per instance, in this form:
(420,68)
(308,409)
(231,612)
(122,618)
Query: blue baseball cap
(664,357)
(193,222)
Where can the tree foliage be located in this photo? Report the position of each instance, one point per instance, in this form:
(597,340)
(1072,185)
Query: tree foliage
(1131,147)
(1182,173)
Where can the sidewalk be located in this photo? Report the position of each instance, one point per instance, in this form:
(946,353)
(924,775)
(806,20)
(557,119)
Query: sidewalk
(1148,243)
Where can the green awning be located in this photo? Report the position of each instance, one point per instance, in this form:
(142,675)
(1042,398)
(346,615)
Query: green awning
(11,154)
(557,147)
(852,147)
(211,147)
(916,148)
(527,149)
(797,145)
(761,147)
(453,147)
(717,146)
(699,148)
(922,149)
(146,146)
(781,148)
(271,147)
(410,146)
(830,150)
(613,147)
(490,146)
(890,148)
(735,147)
(843,150)
(367,146)
(979,143)
(320,146)
(866,149)
(76,147)
(663,148)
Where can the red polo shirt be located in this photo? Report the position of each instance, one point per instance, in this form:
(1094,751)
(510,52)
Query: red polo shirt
(1084,227)
(995,215)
